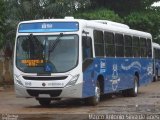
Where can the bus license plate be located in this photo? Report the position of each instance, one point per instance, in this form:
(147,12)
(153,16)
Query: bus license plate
(44,96)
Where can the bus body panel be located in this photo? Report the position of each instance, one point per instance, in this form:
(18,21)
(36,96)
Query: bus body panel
(118,74)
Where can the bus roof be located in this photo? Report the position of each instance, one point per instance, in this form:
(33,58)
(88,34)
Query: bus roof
(99,24)
(156,45)
(121,28)
(116,24)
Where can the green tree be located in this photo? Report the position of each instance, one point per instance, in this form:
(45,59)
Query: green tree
(99,14)
(21,10)
(148,21)
(39,9)
(135,10)
(123,7)
(2,19)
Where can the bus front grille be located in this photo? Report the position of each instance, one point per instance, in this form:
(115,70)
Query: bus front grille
(44,78)
(52,93)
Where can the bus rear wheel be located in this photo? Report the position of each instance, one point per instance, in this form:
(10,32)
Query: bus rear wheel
(44,101)
(155,78)
(95,99)
(133,92)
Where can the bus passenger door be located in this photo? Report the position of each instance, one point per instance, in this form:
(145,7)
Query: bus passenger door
(88,67)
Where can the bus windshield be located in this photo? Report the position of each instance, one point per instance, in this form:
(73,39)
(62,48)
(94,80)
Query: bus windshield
(47,53)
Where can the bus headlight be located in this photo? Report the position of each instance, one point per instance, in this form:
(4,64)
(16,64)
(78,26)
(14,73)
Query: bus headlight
(17,80)
(73,81)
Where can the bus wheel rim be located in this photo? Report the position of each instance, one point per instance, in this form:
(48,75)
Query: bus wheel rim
(97,91)
(136,87)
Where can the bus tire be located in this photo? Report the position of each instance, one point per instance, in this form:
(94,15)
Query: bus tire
(95,99)
(133,92)
(155,76)
(44,101)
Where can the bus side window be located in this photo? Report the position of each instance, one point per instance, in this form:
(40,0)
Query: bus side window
(136,47)
(128,46)
(149,49)
(156,53)
(98,43)
(119,45)
(109,44)
(143,46)
(87,47)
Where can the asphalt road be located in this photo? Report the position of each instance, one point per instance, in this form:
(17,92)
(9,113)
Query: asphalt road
(145,106)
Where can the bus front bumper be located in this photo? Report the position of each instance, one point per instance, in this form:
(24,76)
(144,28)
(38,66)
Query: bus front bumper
(66,92)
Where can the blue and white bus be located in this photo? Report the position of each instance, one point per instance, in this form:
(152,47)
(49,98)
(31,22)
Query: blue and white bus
(74,58)
(156,61)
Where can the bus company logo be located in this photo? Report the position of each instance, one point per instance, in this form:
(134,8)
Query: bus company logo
(43,84)
(102,66)
(47,26)
(115,77)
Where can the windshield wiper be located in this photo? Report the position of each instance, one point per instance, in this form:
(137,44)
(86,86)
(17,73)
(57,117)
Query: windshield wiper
(35,46)
(34,40)
(55,43)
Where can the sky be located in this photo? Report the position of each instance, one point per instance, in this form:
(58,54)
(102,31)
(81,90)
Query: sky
(156,4)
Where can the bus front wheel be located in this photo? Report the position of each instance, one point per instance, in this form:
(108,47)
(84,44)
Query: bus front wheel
(95,99)
(44,101)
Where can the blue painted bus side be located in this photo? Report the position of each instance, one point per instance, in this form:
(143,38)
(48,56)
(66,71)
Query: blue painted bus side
(156,61)
(157,66)
(118,74)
